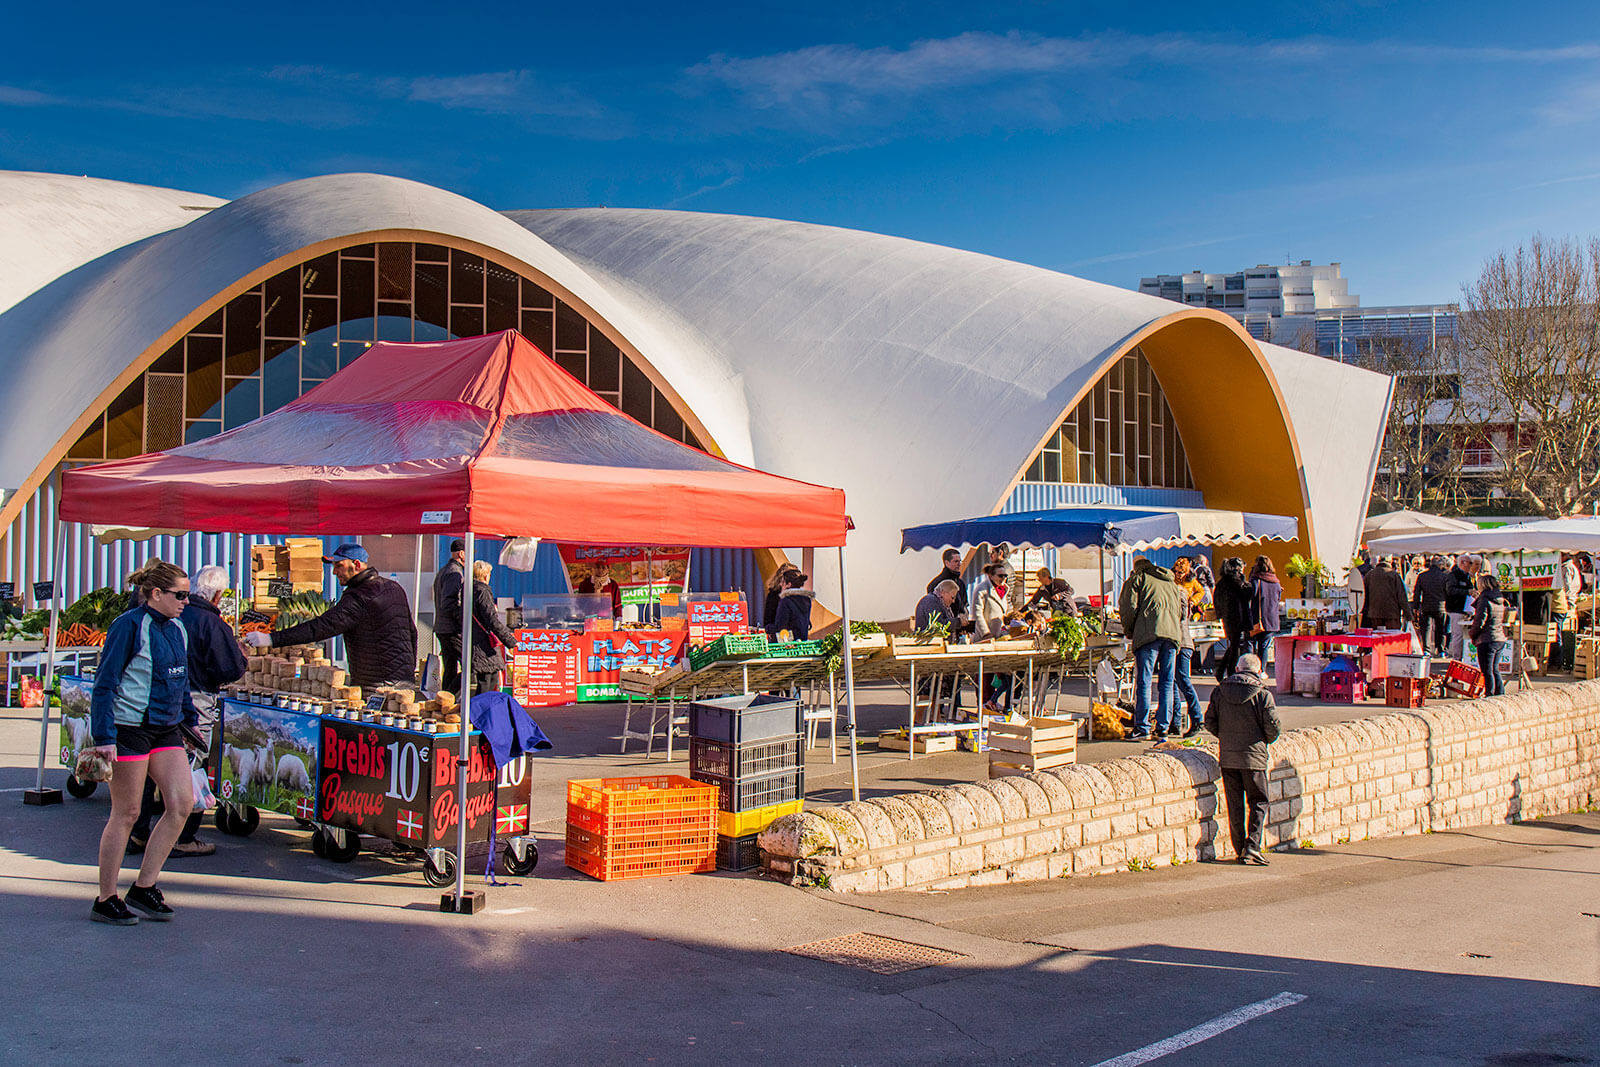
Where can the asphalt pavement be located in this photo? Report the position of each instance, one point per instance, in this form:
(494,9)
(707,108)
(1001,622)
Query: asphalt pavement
(1479,947)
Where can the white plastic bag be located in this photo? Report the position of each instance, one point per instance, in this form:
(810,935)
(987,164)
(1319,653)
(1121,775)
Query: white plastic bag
(204,799)
(519,553)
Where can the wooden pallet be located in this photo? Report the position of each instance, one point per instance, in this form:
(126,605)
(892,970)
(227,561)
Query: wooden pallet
(1035,745)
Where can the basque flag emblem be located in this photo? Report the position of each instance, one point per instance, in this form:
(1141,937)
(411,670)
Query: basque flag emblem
(409,824)
(511,819)
(305,808)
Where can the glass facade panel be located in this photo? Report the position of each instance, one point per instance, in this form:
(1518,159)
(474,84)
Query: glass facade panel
(1121,433)
(271,344)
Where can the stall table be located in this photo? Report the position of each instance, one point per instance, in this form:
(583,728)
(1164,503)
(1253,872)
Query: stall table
(1380,645)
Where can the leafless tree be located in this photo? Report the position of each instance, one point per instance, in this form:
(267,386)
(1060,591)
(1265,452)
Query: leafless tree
(1420,464)
(1530,337)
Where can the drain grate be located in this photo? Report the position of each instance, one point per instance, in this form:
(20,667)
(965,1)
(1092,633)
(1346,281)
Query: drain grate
(875,953)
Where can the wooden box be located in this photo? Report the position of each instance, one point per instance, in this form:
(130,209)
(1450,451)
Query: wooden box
(1035,745)
(908,645)
(896,741)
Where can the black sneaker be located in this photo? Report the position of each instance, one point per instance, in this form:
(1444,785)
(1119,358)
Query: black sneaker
(149,901)
(1138,736)
(112,910)
(1251,858)
(1194,728)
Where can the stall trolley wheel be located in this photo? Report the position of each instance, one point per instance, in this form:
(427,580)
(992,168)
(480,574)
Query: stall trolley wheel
(439,867)
(224,816)
(80,788)
(335,843)
(248,819)
(521,856)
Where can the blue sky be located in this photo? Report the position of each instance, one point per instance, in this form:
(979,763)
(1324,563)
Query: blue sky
(1408,141)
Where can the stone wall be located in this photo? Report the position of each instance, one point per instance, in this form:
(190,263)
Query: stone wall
(1452,764)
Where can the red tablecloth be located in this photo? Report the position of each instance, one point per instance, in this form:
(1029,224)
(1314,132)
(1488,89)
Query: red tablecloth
(1380,645)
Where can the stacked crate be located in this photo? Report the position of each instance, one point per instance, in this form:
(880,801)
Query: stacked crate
(1405,692)
(749,748)
(640,827)
(298,560)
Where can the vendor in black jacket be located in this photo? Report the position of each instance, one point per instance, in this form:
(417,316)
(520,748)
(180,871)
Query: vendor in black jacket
(952,573)
(372,615)
(1428,601)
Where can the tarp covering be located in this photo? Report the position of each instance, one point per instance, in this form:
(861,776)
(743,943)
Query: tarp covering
(484,434)
(1405,522)
(1111,528)
(1545,535)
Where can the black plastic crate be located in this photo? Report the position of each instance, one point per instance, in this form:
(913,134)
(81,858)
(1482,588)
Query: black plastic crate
(753,759)
(744,718)
(744,794)
(738,853)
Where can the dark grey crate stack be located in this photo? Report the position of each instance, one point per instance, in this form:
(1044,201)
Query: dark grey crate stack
(749,747)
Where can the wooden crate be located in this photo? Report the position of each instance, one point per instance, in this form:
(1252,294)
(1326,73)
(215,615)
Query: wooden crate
(1035,745)
(907,645)
(895,741)
(1586,660)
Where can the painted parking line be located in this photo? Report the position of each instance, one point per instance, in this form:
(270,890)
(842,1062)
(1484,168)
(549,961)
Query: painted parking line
(1204,1032)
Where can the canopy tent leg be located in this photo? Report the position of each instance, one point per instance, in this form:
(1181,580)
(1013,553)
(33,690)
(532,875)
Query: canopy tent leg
(416,587)
(1522,671)
(459,901)
(39,795)
(850,676)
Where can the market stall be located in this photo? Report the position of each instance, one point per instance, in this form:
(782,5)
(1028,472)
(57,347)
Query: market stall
(1520,540)
(1116,530)
(484,435)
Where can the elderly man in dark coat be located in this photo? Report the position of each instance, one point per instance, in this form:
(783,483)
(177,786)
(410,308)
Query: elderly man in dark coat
(1244,718)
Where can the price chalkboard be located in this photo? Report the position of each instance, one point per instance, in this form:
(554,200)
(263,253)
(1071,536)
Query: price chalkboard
(44,590)
(8,590)
(376,701)
(280,587)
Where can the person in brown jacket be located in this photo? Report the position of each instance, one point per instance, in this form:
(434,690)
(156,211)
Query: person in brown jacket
(1388,605)
(1244,718)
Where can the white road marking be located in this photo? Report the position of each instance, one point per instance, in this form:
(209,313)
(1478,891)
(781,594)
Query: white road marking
(1205,1031)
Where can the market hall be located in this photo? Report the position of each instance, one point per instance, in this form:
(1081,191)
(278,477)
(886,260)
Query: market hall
(925,382)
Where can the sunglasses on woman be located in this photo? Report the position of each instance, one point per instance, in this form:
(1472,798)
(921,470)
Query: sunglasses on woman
(177,594)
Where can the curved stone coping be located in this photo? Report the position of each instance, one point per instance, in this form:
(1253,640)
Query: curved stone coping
(1398,772)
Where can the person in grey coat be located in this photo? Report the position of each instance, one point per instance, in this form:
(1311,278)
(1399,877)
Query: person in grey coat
(1244,719)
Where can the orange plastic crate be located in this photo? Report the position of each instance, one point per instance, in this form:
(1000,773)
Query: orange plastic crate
(641,809)
(609,863)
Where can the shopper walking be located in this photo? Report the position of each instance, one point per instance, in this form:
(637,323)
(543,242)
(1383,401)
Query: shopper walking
(215,659)
(140,698)
(487,628)
(1185,697)
(775,588)
(1244,718)
(1428,599)
(1151,610)
(1233,604)
(1489,632)
(794,607)
(447,586)
(1266,596)
(1388,605)
(1458,588)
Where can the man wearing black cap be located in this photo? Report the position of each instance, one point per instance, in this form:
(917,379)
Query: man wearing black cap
(447,615)
(372,615)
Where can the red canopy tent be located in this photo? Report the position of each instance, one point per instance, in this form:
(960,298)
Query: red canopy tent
(484,434)
(480,435)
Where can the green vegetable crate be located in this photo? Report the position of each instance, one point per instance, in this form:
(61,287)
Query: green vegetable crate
(728,646)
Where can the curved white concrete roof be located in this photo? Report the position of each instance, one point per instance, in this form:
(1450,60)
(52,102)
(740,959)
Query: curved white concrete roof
(53,223)
(916,377)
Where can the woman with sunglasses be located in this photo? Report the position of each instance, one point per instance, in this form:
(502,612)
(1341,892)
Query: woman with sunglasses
(141,697)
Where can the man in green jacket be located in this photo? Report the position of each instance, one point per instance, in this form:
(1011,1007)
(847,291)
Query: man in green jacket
(1151,609)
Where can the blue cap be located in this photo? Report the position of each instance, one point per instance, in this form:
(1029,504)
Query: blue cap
(346,551)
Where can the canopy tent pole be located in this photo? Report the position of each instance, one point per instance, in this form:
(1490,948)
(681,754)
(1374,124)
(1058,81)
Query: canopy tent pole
(1522,604)
(241,569)
(416,587)
(466,728)
(39,794)
(849,676)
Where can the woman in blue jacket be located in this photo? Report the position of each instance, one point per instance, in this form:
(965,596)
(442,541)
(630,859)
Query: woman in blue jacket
(141,697)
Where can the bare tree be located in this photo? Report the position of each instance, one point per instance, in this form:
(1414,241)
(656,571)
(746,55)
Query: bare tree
(1530,336)
(1421,457)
